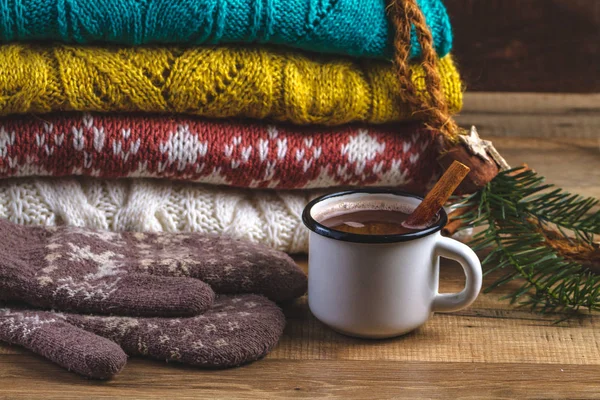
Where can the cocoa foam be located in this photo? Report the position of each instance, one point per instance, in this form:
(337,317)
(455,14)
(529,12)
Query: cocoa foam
(348,205)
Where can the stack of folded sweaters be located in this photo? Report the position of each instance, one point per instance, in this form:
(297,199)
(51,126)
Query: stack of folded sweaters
(191,117)
(212,116)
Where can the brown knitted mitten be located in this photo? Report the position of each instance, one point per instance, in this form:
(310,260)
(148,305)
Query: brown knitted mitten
(228,265)
(89,271)
(236,330)
(49,335)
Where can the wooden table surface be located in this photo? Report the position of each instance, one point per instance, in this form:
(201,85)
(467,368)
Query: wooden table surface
(491,349)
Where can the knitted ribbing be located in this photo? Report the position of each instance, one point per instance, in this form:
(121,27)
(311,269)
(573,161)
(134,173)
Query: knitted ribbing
(353,27)
(269,217)
(214,82)
(235,153)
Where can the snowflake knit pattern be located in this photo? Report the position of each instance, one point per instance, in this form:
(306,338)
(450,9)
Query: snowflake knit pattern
(242,154)
(350,27)
(50,336)
(137,273)
(213,82)
(235,331)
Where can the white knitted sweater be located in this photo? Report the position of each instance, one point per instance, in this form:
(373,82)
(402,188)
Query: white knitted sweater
(269,217)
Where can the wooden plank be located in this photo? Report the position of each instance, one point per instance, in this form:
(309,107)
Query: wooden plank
(490,331)
(527,45)
(25,378)
(530,115)
(570,163)
(489,349)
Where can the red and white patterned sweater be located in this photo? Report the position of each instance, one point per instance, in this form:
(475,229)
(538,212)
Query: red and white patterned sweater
(239,153)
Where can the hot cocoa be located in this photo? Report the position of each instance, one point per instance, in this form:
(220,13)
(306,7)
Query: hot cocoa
(369,222)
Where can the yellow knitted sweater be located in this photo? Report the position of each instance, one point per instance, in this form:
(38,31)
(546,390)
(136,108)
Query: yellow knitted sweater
(213,82)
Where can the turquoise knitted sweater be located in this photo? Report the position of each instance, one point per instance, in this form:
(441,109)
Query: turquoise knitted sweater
(351,27)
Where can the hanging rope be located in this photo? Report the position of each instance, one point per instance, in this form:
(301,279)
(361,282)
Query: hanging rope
(405,14)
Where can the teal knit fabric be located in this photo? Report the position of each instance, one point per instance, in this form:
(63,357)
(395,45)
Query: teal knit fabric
(351,27)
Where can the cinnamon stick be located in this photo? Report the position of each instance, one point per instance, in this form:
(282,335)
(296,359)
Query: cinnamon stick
(437,197)
(454,221)
(452,227)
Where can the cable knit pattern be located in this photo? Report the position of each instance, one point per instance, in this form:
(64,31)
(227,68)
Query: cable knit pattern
(269,217)
(352,27)
(214,82)
(243,154)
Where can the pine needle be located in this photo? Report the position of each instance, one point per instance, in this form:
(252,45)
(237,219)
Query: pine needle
(515,209)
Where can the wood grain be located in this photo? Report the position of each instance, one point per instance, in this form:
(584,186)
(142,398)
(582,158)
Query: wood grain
(570,163)
(490,331)
(307,380)
(490,350)
(527,45)
(529,115)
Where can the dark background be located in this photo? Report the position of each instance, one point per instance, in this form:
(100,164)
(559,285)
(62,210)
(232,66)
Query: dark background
(527,45)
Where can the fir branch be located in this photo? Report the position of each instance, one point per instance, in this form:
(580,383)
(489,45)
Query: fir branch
(518,210)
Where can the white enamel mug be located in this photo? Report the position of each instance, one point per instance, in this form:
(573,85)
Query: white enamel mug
(379,286)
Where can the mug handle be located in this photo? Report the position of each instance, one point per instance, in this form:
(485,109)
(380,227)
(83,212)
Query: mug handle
(455,250)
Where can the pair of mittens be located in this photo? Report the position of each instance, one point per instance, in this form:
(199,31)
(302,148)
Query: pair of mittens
(137,274)
(236,330)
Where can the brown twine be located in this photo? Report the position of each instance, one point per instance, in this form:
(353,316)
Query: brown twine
(405,14)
